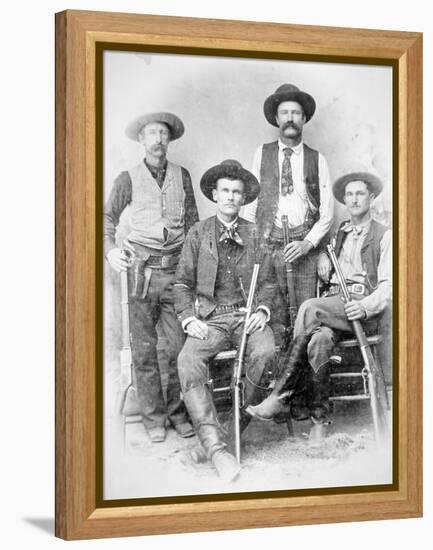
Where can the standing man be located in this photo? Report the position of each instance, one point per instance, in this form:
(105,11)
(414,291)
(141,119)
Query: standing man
(364,250)
(212,280)
(294,181)
(160,196)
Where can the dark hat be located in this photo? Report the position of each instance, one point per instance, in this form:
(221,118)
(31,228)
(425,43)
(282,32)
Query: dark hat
(231,169)
(288,92)
(373,182)
(173,122)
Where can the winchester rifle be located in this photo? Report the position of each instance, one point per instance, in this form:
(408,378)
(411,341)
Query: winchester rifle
(376,385)
(292,305)
(237,384)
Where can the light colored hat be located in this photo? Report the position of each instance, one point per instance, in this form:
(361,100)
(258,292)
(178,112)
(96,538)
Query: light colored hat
(173,122)
(373,182)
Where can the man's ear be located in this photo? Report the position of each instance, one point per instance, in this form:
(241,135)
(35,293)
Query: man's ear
(214,192)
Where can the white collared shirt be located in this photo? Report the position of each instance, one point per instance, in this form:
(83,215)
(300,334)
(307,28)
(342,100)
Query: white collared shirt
(227,224)
(295,205)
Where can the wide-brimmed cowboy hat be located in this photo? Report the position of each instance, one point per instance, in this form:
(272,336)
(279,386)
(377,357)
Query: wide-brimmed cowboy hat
(373,183)
(173,122)
(288,92)
(231,169)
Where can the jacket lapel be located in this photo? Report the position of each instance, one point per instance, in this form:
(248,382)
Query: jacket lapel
(246,236)
(212,240)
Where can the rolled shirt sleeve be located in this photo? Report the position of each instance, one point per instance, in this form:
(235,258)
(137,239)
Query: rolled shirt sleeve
(326,209)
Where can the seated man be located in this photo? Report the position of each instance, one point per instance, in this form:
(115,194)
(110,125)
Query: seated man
(363,248)
(212,280)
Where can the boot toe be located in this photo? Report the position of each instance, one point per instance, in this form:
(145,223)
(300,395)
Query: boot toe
(226,466)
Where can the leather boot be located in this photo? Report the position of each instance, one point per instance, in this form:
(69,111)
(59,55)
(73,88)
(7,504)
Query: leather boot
(201,409)
(319,404)
(277,402)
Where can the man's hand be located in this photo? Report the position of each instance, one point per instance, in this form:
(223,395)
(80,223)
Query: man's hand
(197,329)
(117,260)
(324,267)
(355,311)
(296,249)
(257,321)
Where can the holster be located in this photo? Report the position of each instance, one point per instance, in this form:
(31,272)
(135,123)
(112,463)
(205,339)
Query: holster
(140,275)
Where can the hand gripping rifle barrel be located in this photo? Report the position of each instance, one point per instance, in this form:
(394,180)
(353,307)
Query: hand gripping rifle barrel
(237,389)
(372,370)
(292,306)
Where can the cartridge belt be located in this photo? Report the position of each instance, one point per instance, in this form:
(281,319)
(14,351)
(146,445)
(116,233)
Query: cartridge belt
(163,262)
(229,308)
(354,288)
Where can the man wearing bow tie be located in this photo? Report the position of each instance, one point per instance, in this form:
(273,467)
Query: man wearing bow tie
(364,250)
(294,181)
(212,281)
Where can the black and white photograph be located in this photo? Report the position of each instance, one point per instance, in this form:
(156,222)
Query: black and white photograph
(247,289)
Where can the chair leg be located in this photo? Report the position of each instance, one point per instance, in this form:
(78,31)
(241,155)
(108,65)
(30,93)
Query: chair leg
(289,424)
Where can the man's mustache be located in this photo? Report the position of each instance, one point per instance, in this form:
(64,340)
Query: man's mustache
(290,125)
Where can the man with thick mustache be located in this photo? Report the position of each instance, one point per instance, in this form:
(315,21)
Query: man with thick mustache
(294,181)
(161,200)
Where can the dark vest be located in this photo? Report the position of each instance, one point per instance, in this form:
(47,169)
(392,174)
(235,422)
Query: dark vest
(267,202)
(370,251)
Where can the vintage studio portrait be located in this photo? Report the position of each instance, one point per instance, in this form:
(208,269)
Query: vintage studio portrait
(247,250)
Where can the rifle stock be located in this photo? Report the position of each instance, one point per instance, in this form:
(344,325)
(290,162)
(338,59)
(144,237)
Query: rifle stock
(371,368)
(125,352)
(292,306)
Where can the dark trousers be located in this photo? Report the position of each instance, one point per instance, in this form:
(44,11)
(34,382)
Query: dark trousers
(305,279)
(225,332)
(304,274)
(325,319)
(156,307)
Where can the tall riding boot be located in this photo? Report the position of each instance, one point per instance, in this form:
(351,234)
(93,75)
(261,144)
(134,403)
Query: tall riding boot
(201,409)
(319,404)
(286,385)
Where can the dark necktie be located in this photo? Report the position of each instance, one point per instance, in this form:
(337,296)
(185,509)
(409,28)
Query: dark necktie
(286,173)
(231,234)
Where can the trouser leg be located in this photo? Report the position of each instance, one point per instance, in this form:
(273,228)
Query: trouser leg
(172,330)
(286,384)
(147,379)
(305,277)
(259,361)
(194,375)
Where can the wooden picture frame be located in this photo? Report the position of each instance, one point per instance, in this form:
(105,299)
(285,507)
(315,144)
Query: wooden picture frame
(80,512)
